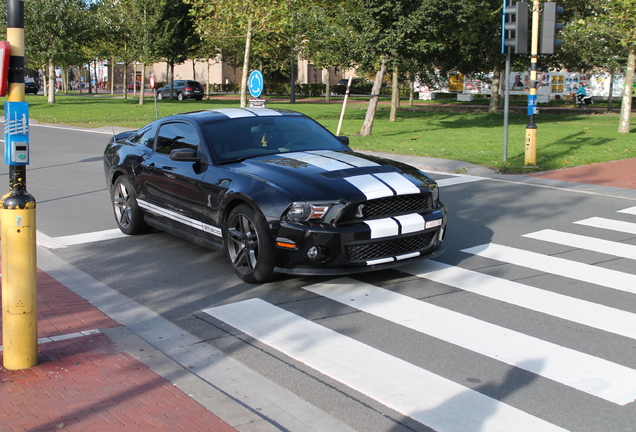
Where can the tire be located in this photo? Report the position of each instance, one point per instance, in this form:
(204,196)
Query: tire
(248,245)
(180,96)
(128,215)
(159,96)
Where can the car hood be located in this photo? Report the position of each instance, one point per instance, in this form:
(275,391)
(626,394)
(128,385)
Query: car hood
(330,175)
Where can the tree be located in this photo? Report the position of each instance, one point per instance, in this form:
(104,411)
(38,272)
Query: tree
(146,24)
(57,29)
(263,26)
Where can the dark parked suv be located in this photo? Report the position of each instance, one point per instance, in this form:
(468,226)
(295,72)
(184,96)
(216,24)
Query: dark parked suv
(182,89)
(30,86)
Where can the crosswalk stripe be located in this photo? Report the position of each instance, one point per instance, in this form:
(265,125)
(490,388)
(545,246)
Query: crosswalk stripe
(558,305)
(412,391)
(583,242)
(451,181)
(559,266)
(609,224)
(631,210)
(583,372)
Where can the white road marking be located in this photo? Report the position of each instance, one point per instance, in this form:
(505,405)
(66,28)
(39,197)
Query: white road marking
(631,210)
(558,266)
(458,180)
(428,398)
(558,305)
(77,239)
(609,224)
(583,242)
(589,374)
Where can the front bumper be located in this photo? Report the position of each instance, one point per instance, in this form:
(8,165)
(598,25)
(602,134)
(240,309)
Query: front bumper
(355,248)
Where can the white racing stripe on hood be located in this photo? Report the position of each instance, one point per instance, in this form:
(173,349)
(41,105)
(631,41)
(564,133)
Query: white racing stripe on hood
(328,164)
(370,186)
(347,158)
(399,183)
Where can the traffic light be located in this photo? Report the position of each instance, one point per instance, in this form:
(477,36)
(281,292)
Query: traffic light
(519,27)
(549,28)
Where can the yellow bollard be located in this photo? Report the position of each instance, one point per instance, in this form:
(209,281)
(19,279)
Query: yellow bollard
(19,288)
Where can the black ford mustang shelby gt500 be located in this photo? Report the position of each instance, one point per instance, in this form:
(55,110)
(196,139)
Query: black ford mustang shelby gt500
(274,189)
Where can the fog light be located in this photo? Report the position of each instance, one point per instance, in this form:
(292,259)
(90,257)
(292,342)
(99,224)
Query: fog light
(317,253)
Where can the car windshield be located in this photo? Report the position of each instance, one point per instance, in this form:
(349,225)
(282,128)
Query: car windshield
(238,139)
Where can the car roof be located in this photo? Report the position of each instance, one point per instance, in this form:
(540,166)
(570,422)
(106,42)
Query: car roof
(219,114)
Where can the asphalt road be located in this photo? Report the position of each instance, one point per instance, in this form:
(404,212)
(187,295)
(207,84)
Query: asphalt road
(521,325)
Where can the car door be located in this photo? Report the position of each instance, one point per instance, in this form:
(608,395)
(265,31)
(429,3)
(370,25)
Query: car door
(173,187)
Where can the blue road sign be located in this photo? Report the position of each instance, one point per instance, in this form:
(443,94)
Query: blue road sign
(255,83)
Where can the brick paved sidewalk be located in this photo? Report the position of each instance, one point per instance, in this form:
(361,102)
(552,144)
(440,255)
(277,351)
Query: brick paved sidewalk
(84,382)
(621,174)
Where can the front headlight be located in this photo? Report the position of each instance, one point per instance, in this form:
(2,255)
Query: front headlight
(435,194)
(303,211)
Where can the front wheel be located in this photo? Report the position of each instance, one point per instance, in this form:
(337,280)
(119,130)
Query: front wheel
(159,96)
(128,215)
(248,245)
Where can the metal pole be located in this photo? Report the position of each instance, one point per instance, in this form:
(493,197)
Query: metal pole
(17,213)
(506,104)
(531,128)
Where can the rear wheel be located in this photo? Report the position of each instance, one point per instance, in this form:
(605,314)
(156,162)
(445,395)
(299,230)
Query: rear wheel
(248,245)
(128,215)
(180,96)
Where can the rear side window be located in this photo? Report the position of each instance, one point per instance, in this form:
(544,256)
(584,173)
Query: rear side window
(174,136)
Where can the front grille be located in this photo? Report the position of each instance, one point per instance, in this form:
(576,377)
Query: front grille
(389,206)
(374,249)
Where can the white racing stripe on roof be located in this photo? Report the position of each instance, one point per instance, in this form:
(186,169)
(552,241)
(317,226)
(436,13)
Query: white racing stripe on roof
(398,182)
(344,157)
(370,186)
(263,112)
(237,112)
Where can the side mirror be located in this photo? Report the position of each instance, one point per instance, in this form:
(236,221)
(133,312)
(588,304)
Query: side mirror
(344,140)
(185,155)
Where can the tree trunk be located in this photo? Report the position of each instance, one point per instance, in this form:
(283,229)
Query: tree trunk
(367,126)
(125,79)
(326,76)
(494,90)
(611,92)
(52,81)
(246,62)
(626,104)
(395,94)
(207,80)
(142,83)
(112,76)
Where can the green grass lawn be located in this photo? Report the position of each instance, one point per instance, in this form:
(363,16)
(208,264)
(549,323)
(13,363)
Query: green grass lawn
(564,139)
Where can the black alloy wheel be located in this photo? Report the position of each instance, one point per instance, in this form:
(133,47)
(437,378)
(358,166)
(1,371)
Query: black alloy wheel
(128,215)
(248,245)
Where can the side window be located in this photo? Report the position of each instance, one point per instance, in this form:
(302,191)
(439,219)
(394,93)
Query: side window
(144,136)
(174,136)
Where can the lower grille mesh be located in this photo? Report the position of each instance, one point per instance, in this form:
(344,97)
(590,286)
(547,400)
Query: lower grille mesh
(388,248)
